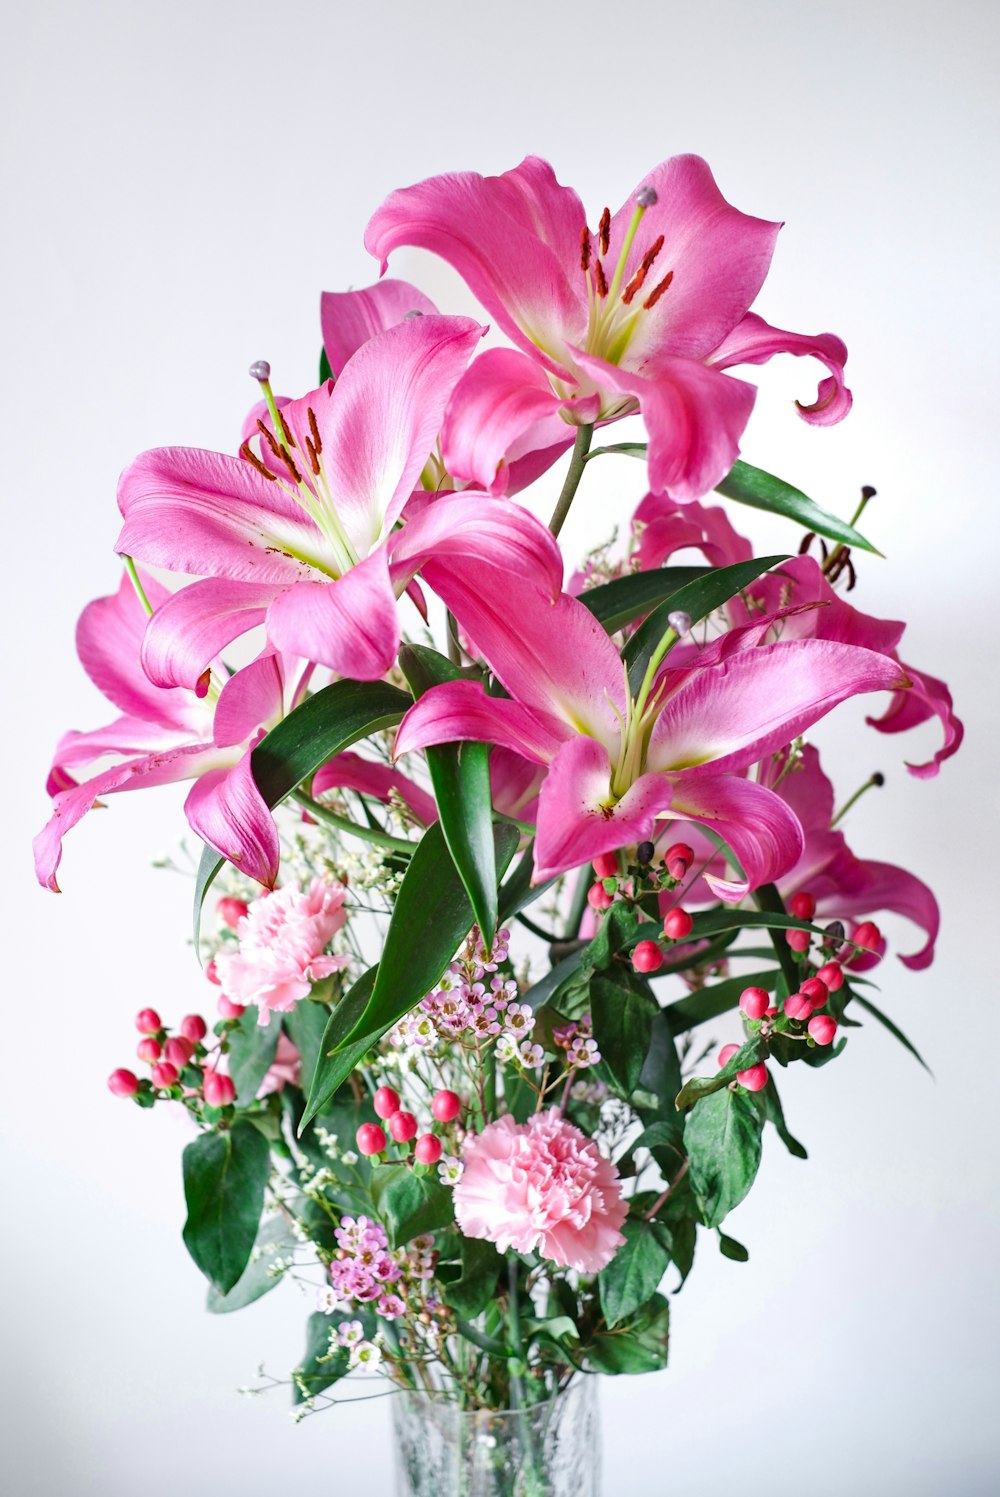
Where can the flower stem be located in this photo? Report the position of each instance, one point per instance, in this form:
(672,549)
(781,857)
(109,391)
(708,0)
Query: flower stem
(352,828)
(877,779)
(584,436)
(133,576)
(840,548)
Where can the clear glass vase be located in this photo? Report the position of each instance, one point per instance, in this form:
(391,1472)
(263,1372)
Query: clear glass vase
(550,1449)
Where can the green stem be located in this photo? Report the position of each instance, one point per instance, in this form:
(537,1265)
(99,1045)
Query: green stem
(767,898)
(140,591)
(344,824)
(840,548)
(578,461)
(877,779)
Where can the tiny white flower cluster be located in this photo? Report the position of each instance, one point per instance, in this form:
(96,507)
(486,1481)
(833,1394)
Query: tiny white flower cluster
(450,1169)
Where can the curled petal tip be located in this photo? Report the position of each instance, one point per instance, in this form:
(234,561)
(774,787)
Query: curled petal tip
(901,684)
(260,370)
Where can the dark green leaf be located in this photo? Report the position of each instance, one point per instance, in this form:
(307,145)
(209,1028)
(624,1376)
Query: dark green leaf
(274,1240)
(430,920)
(460,775)
(638,1345)
(634,1273)
(324,725)
(306,1026)
(730,1248)
(716,999)
(769,901)
(225,1175)
(775,1113)
(518,892)
(697,599)
(481,1269)
(618,602)
(760,490)
(319,1369)
(623,1013)
(336,1064)
(722,1137)
(665,1141)
(325,372)
(893,1029)
(409,1204)
(251,1051)
(704,1086)
(661,1077)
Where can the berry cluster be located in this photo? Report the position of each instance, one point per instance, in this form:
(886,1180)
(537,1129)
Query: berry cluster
(180,1065)
(371,1137)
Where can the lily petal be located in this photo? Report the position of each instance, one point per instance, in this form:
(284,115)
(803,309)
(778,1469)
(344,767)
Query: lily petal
(109,638)
(754,341)
(188,630)
(472,528)
(251,699)
(577,819)
(462,710)
(228,812)
(663,527)
(762,831)
(349,771)
(350,626)
(862,888)
(350,318)
(927,698)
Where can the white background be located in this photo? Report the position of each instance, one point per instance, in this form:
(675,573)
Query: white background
(180,182)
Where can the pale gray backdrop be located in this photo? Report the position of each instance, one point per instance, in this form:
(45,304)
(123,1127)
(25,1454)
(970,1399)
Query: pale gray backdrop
(180,181)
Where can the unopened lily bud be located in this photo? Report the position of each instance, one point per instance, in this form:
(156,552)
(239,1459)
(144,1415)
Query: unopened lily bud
(220,1090)
(149,1050)
(677,924)
(798,940)
(647,957)
(147,1021)
(605,865)
(678,859)
(231,911)
(679,621)
(260,370)
(726,1054)
(403,1126)
(178,1051)
(427,1149)
(753,1002)
(798,1006)
(122,1083)
(754,1079)
(164,1075)
(370,1139)
(230,1010)
(194,1028)
(598,897)
(803,906)
(386,1102)
(644,854)
(647,197)
(822,1029)
(832,975)
(816,990)
(446,1105)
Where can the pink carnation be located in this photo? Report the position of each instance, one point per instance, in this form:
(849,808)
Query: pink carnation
(282,940)
(541,1186)
(284,1070)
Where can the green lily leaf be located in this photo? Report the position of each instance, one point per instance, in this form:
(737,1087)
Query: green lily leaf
(760,490)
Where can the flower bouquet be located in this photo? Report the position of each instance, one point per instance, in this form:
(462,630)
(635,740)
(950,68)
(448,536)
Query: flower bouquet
(413,739)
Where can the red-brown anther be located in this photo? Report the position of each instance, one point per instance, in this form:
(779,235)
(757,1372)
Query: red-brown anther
(268,436)
(314,431)
(286,458)
(600,278)
(313,457)
(255,462)
(636,282)
(286,432)
(584,247)
(604,229)
(658,291)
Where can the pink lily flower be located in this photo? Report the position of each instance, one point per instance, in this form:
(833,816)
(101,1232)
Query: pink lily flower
(306,535)
(168,735)
(646,314)
(618,763)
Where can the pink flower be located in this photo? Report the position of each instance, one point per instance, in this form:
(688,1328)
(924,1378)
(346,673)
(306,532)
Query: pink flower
(283,940)
(284,1070)
(541,1186)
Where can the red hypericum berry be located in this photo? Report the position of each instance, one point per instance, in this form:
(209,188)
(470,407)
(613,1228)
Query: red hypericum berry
(386,1102)
(815,990)
(231,911)
(370,1139)
(178,1051)
(123,1083)
(446,1106)
(678,859)
(832,975)
(427,1149)
(164,1074)
(149,1050)
(647,957)
(677,925)
(822,1029)
(755,1079)
(606,865)
(798,1006)
(867,935)
(770,1013)
(219,1090)
(212,973)
(194,1028)
(403,1127)
(230,1010)
(798,940)
(147,1021)
(803,906)
(726,1054)
(598,897)
(753,1002)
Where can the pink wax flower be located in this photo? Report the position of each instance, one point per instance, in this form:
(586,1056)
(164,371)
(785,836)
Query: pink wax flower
(282,945)
(541,1186)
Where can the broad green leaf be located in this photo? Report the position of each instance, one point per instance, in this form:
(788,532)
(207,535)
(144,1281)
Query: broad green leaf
(893,1029)
(335,1064)
(409,1204)
(623,1013)
(617,603)
(638,1345)
(305,1026)
(475,1286)
(430,920)
(697,599)
(251,1051)
(730,1248)
(518,892)
(760,490)
(704,1086)
(634,1273)
(319,1369)
(324,725)
(274,1240)
(460,775)
(661,1078)
(775,1113)
(716,999)
(225,1174)
(722,1137)
(665,1141)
